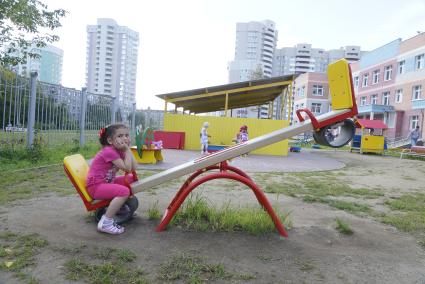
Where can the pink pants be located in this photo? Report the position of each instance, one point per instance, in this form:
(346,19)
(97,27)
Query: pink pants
(110,190)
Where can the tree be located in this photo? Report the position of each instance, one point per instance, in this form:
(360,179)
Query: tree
(22,25)
(257,73)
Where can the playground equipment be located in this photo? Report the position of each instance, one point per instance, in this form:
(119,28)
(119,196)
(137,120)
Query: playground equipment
(76,168)
(337,122)
(147,151)
(370,137)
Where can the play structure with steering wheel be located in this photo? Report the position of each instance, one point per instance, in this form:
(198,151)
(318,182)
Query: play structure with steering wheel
(333,129)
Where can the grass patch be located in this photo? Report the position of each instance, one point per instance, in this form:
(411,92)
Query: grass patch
(153,212)
(411,213)
(32,183)
(197,215)
(408,202)
(114,271)
(17,252)
(19,157)
(193,269)
(343,227)
(411,222)
(319,184)
(351,207)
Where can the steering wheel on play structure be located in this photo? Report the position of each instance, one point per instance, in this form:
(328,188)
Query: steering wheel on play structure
(144,139)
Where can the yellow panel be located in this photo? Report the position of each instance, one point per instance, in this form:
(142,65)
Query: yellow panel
(148,156)
(78,169)
(372,143)
(340,85)
(224,129)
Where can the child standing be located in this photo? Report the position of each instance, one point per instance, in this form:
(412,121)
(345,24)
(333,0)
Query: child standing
(101,180)
(204,138)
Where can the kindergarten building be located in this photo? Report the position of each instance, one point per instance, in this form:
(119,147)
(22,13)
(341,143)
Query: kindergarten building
(389,83)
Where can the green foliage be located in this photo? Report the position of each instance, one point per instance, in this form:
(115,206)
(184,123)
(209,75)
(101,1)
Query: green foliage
(411,215)
(18,252)
(196,214)
(107,272)
(191,269)
(343,227)
(153,212)
(14,157)
(21,26)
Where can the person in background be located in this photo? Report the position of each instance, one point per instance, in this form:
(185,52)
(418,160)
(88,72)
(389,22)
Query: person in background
(204,138)
(414,135)
(242,136)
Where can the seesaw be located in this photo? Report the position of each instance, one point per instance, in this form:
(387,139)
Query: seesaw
(333,129)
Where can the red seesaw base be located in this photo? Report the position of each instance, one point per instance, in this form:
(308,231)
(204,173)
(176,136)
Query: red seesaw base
(225,172)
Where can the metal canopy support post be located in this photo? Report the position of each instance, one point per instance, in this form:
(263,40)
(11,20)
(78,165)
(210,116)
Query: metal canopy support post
(226,104)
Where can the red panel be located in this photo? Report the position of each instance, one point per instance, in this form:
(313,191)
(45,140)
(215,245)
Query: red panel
(366,123)
(170,140)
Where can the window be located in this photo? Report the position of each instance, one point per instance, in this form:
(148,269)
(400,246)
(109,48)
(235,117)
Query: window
(388,70)
(362,101)
(419,61)
(414,121)
(416,92)
(356,81)
(401,66)
(317,90)
(365,79)
(373,99)
(315,107)
(399,95)
(386,98)
(375,77)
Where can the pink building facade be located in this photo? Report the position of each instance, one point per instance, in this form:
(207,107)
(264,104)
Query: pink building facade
(311,91)
(389,85)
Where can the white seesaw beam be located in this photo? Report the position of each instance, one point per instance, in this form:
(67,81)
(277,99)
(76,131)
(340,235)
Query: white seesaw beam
(231,152)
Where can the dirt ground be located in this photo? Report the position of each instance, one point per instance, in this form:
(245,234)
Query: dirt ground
(314,252)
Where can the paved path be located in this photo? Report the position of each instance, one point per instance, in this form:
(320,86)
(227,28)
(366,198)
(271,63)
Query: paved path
(306,160)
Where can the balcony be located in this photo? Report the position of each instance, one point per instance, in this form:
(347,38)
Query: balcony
(418,104)
(375,109)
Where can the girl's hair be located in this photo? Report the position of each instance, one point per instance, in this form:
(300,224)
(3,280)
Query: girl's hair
(109,131)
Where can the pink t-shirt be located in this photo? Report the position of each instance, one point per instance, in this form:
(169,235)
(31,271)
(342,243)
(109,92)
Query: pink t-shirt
(102,170)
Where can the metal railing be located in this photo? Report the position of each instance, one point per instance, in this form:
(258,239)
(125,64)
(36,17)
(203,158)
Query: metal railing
(50,114)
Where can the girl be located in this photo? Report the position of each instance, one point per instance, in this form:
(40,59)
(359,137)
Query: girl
(101,181)
(242,136)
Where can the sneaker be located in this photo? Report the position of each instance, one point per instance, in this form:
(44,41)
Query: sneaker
(107,225)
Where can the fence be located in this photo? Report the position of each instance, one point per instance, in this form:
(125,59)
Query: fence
(52,114)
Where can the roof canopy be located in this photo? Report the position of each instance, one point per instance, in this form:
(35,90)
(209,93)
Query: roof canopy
(230,96)
(375,124)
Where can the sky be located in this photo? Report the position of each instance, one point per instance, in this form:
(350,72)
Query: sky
(187,44)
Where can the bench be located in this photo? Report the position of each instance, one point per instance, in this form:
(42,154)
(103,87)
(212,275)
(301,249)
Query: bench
(418,151)
(149,156)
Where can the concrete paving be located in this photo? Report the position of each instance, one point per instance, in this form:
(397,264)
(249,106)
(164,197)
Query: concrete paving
(306,160)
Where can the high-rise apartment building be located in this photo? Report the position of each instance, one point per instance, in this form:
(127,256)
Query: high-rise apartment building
(111,65)
(303,58)
(254,49)
(48,65)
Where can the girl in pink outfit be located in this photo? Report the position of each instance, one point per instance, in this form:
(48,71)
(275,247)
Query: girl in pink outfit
(101,180)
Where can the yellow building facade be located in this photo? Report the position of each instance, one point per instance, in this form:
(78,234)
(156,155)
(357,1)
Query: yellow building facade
(224,129)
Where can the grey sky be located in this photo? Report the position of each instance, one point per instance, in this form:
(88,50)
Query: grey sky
(187,44)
